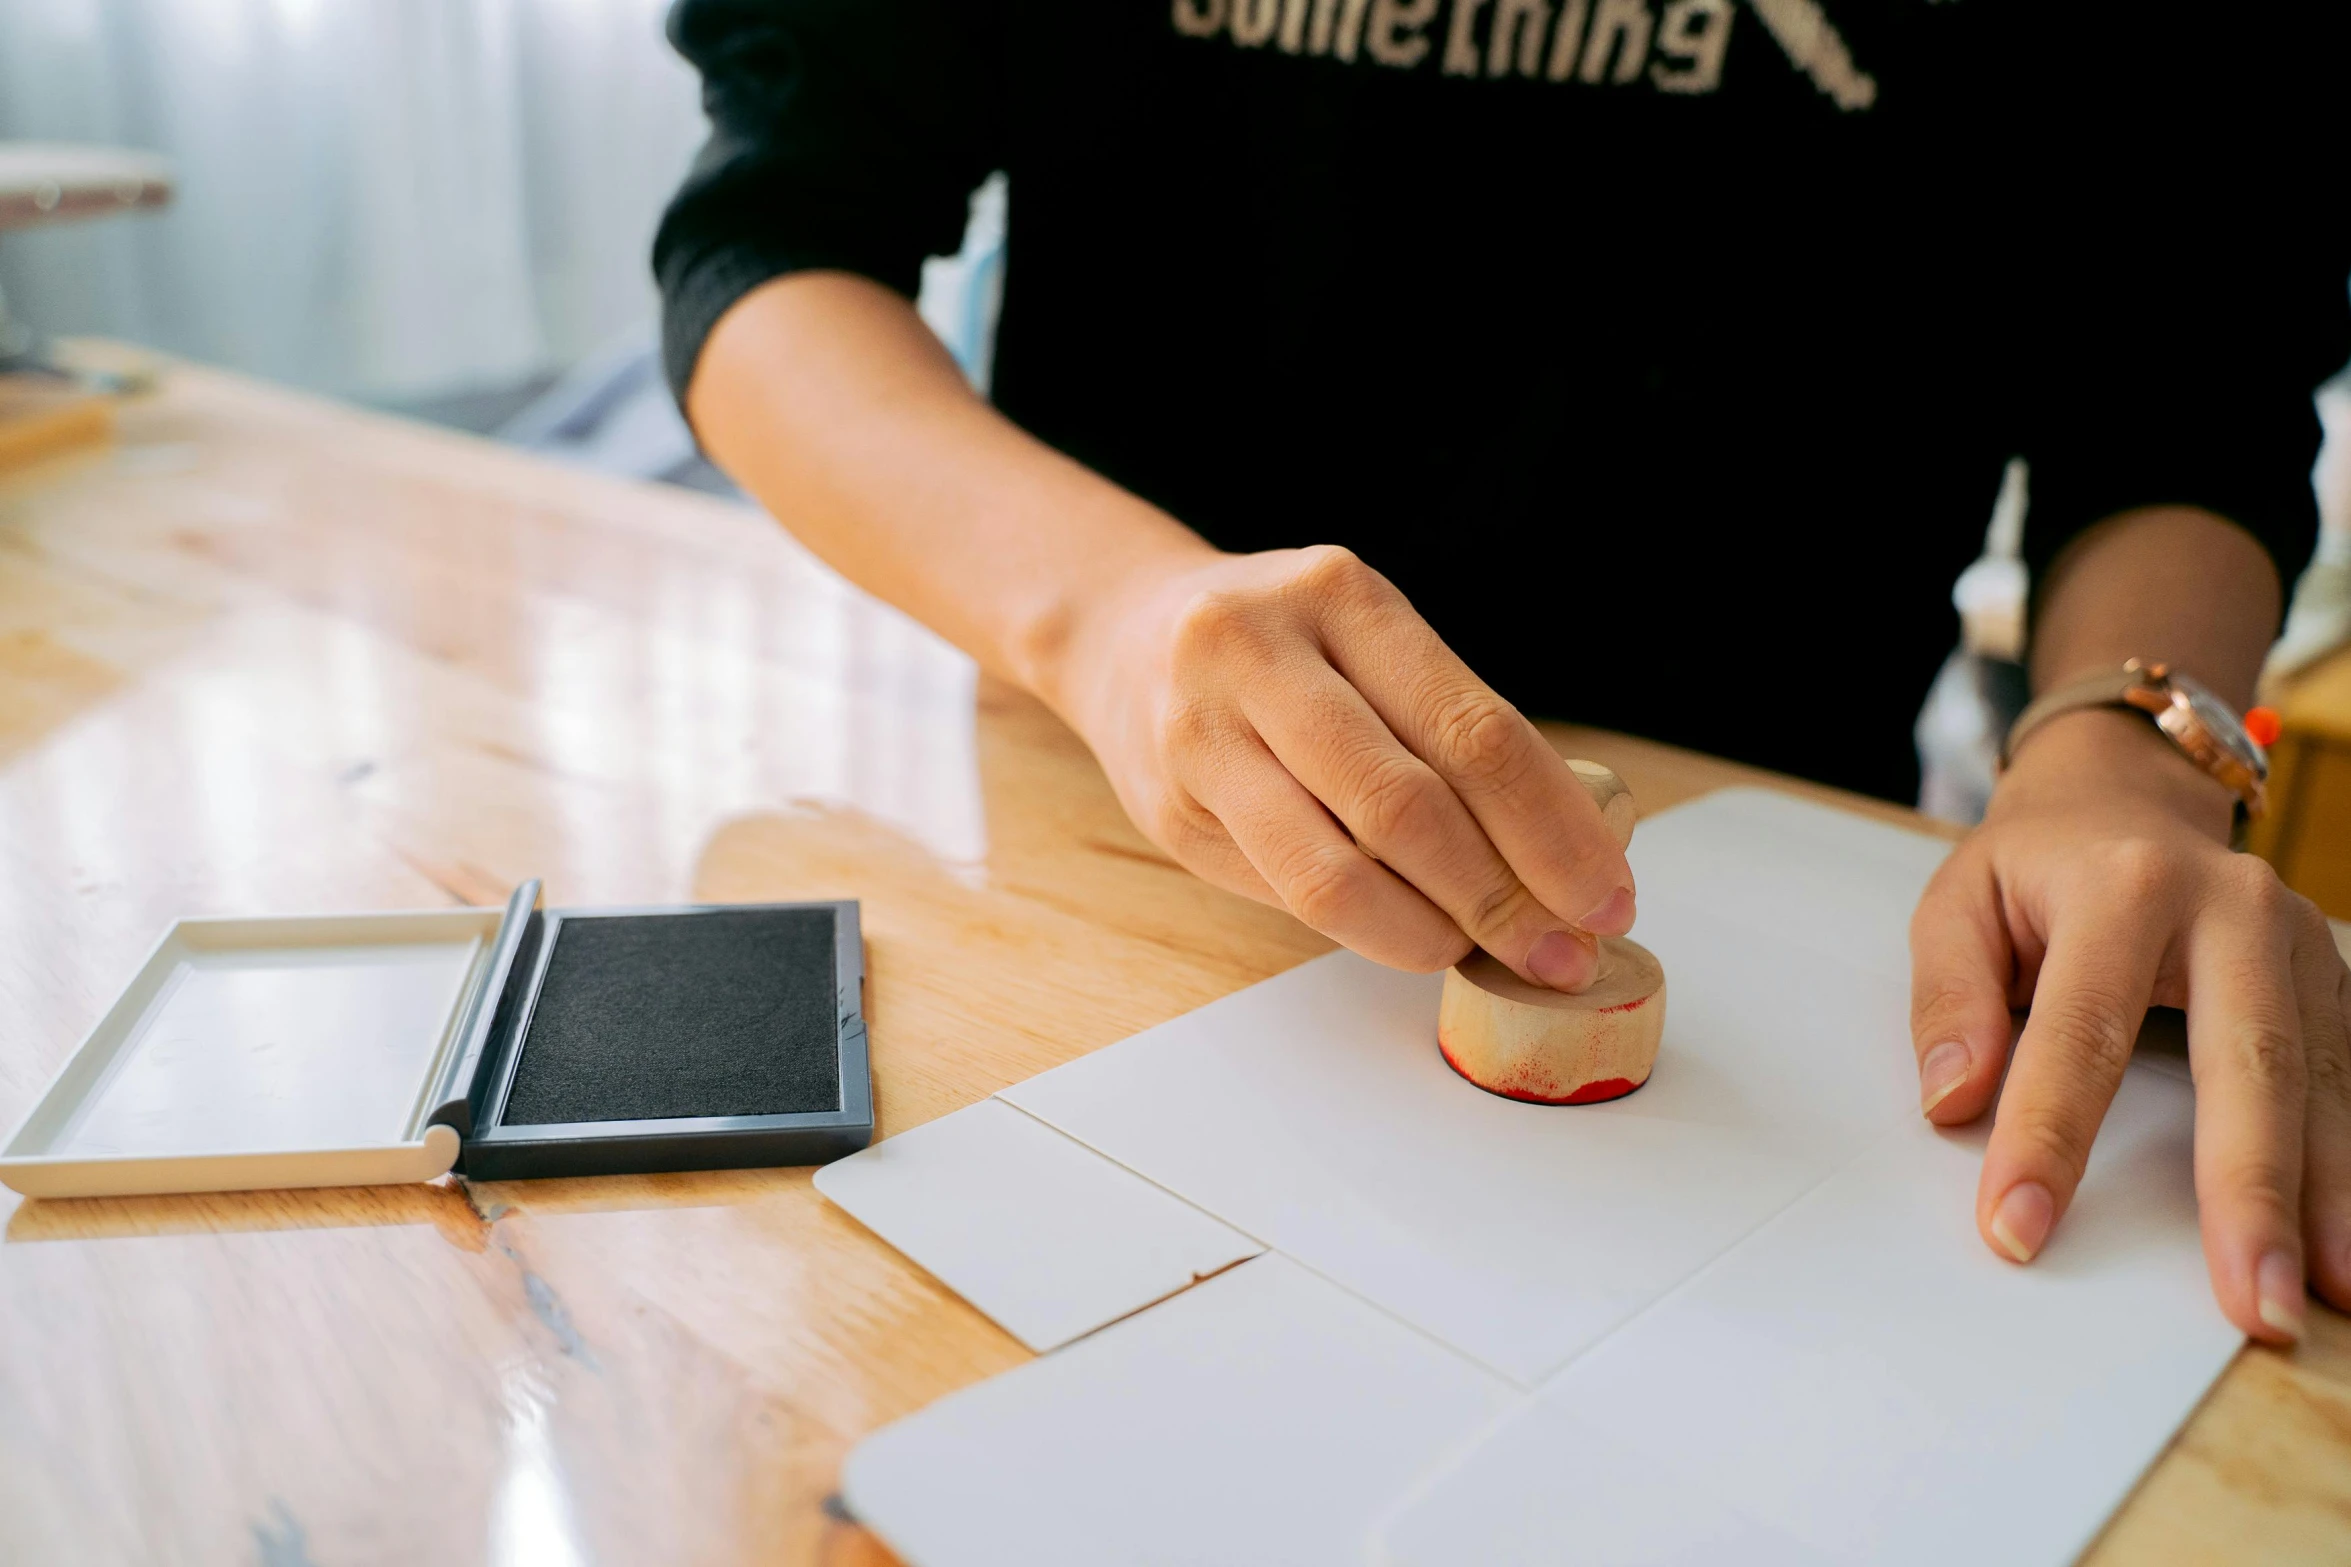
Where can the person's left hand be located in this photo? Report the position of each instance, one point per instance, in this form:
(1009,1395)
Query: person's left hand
(2101,884)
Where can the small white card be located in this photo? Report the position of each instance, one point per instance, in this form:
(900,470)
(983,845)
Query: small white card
(1047,1239)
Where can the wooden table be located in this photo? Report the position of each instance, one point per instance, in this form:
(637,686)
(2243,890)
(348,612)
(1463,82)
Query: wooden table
(274,655)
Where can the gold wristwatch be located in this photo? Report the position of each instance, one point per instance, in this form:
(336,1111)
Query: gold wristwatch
(2206,729)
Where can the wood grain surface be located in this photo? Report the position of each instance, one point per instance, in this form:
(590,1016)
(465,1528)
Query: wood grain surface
(267,654)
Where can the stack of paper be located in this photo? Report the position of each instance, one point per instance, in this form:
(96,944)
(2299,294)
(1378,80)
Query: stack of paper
(1740,1315)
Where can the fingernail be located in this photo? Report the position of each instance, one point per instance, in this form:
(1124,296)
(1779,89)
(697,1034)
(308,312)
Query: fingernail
(1943,1070)
(1613,917)
(2021,1223)
(2279,1283)
(1559,960)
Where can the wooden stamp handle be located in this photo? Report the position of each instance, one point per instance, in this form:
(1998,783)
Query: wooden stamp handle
(1609,793)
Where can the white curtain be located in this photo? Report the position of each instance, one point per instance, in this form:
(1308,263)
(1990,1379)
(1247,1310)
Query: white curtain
(386,199)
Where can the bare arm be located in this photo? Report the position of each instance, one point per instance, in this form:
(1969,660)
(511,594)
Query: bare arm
(1284,724)
(2169,583)
(825,396)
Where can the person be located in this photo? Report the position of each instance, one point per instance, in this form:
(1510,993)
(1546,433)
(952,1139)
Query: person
(1372,373)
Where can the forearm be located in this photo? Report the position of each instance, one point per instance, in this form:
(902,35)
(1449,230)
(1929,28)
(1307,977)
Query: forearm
(826,398)
(2173,585)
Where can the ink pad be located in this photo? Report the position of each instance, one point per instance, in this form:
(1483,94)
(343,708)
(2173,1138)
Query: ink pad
(362,1049)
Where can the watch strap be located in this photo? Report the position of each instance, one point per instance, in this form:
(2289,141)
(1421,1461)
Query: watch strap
(2106,688)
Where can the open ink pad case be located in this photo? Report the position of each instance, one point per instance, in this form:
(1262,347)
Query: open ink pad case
(372,1048)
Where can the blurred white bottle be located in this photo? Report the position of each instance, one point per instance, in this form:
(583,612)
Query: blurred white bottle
(1982,685)
(2320,619)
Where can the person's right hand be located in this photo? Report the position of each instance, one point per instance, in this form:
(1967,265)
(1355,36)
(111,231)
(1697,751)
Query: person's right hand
(1286,726)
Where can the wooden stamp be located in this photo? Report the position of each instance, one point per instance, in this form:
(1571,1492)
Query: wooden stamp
(1547,1047)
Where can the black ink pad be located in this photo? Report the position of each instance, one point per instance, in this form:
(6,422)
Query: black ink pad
(701,1037)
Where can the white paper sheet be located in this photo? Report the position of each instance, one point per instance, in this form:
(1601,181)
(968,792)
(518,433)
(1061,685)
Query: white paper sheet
(1046,1238)
(1862,1381)
(1313,1110)
(1833,882)
(1262,1417)
(1593,1502)
(1314,1113)
(1750,1296)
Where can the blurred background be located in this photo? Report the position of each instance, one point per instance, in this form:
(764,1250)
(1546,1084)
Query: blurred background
(442,208)
(403,202)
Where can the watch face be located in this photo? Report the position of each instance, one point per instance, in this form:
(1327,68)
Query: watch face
(2221,723)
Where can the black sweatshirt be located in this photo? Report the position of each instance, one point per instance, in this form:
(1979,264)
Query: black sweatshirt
(1667,353)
